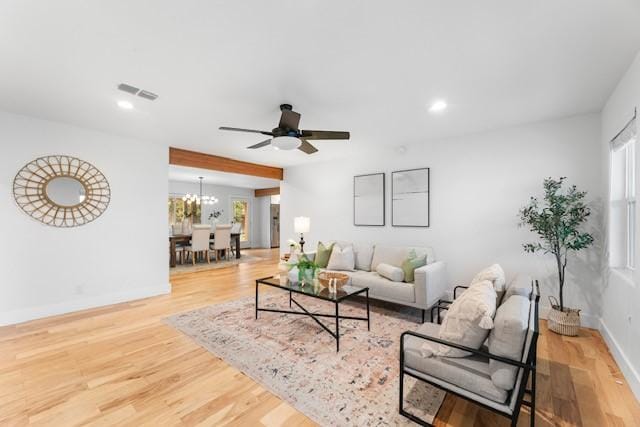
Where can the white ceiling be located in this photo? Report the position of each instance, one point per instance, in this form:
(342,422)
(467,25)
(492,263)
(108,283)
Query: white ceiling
(185,174)
(369,67)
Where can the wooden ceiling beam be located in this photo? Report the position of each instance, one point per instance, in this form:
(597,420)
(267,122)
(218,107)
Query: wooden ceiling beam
(193,159)
(261,192)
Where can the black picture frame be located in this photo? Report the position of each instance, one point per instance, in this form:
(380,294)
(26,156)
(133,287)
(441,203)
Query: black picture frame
(397,223)
(384,201)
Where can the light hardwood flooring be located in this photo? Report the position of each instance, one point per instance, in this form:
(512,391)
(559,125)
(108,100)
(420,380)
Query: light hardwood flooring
(121,365)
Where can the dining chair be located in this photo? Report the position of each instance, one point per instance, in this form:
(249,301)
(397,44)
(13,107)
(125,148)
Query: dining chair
(176,228)
(236,228)
(213,231)
(199,241)
(186,226)
(222,241)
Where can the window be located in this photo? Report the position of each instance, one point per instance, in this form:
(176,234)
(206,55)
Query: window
(179,210)
(622,203)
(240,209)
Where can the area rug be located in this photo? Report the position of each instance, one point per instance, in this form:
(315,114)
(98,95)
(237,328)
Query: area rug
(188,267)
(294,358)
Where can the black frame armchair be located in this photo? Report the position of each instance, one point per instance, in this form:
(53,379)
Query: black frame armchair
(526,369)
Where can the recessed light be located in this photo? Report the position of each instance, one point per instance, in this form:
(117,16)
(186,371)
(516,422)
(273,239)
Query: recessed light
(438,106)
(125,105)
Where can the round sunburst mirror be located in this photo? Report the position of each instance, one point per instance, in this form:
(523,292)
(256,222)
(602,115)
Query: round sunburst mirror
(61,191)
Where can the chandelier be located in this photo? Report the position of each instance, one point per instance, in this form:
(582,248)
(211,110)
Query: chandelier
(200,199)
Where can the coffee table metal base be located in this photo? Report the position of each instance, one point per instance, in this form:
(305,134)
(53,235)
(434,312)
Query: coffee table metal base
(315,316)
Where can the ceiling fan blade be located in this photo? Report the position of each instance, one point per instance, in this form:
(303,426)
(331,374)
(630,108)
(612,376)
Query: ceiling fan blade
(289,120)
(306,147)
(324,134)
(246,130)
(261,144)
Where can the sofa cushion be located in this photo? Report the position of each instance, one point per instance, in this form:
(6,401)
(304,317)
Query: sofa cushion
(323,253)
(507,339)
(519,285)
(395,255)
(364,256)
(410,264)
(342,259)
(382,288)
(468,320)
(470,373)
(395,274)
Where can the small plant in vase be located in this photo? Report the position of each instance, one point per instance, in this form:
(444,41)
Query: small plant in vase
(558,222)
(307,269)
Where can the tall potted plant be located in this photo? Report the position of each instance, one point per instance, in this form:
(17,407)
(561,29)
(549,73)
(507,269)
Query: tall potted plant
(558,221)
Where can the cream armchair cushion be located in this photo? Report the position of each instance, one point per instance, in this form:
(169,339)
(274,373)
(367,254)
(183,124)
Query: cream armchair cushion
(507,339)
(467,322)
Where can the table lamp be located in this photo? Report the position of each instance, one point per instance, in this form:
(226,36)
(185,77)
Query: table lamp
(301,224)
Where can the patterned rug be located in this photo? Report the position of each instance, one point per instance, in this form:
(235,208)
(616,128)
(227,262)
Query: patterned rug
(294,358)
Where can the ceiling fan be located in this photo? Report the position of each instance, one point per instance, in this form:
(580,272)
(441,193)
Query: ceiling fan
(287,136)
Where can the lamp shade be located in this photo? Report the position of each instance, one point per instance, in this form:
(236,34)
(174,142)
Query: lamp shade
(301,224)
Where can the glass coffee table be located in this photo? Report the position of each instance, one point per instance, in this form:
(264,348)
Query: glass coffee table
(315,290)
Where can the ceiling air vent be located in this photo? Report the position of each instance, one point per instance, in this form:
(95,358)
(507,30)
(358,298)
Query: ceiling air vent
(128,88)
(147,95)
(135,91)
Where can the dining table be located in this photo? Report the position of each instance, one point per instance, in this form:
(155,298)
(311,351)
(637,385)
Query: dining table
(174,239)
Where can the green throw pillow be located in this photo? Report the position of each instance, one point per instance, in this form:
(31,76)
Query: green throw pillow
(411,263)
(323,253)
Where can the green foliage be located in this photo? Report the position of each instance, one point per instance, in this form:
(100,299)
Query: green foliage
(304,264)
(557,221)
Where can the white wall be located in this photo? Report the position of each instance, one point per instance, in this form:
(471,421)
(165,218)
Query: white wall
(478,184)
(120,256)
(621,295)
(263,216)
(224,195)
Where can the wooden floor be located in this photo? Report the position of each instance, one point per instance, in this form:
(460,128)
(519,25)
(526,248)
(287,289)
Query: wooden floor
(121,365)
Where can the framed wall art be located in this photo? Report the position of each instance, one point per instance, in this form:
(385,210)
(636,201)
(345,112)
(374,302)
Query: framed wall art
(410,198)
(369,199)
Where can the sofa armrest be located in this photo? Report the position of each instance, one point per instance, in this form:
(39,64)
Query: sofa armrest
(430,283)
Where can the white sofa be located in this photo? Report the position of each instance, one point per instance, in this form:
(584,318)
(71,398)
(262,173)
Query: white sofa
(430,282)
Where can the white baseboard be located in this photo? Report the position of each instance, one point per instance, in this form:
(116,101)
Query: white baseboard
(32,313)
(628,370)
(586,320)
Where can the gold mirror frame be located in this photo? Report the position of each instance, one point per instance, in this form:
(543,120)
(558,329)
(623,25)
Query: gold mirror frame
(30,191)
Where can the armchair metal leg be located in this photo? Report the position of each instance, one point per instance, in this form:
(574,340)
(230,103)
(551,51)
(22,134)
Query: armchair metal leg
(423,310)
(533,399)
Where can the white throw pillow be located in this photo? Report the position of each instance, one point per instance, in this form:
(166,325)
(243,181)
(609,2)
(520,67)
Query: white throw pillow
(467,322)
(395,274)
(341,259)
(364,256)
(494,274)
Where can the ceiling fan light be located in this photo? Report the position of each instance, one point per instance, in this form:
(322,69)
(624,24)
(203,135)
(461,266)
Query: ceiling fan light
(285,142)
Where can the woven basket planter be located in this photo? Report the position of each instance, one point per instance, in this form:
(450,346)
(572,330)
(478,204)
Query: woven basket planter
(565,322)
